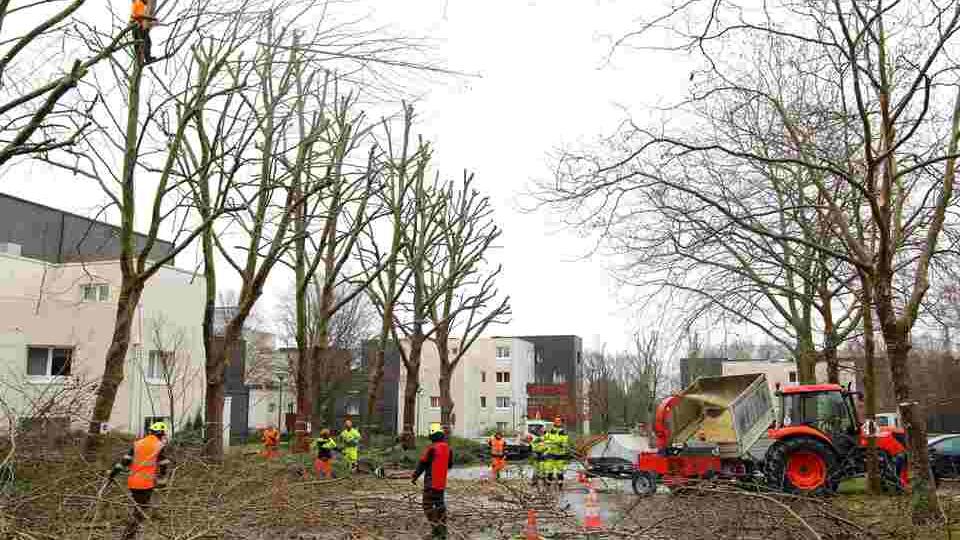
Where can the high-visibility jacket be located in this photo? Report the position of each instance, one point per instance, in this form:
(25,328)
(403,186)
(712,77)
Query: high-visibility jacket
(271,437)
(498,447)
(140,13)
(146,463)
(539,446)
(350,437)
(325,447)
(436,460)
(556,441)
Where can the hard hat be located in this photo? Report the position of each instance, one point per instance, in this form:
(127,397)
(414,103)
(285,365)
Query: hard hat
(158,427)
(435,427)
(324,432)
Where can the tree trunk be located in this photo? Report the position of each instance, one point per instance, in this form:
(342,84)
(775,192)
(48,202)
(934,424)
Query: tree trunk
(870,385)
(304,391)
(216,384)
(319,359)
(446,376)
(926,504)
(131,288)
(375,382)
(806,364)
(408,435)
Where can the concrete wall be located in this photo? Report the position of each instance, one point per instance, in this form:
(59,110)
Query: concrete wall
(40,304)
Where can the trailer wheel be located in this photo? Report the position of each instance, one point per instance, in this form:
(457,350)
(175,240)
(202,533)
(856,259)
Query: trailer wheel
(644,483)
(802,465)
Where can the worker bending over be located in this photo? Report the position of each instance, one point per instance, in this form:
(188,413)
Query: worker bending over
(141,16)
(148,471)
(556,452)
(434,464)
(271,441)
(350,437)
(325,446)
(498,453)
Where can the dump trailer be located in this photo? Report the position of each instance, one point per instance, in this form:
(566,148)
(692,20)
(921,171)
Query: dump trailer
(817,440)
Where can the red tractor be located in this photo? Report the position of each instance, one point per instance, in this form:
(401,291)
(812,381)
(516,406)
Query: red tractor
(816,441)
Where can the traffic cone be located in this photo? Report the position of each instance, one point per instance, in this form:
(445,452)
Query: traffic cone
(530,532)
(592,519)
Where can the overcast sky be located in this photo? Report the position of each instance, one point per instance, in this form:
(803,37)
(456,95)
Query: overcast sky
(543,81)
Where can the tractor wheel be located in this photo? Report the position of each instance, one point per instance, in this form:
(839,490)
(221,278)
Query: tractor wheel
(644,483)
(802,465)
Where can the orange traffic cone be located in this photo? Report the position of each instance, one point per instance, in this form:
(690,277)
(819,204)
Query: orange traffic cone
(530,531)
(592,519)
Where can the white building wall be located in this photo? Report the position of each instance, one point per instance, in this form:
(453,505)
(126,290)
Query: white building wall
(476,378)
(41,305)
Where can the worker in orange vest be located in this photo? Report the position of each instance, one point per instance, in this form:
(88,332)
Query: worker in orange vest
(141,15)
(271,440)
(148,471)
(498,451)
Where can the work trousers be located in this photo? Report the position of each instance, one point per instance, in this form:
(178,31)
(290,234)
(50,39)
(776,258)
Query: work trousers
(143,35)
(141,500)
(498,464)
(435,509)
(351,454)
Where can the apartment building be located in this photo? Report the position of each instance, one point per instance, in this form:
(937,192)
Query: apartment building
(558,387)
(59,284)
(489,388)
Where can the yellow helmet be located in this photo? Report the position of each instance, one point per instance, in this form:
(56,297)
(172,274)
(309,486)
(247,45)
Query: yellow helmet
(158,427)
(435,427)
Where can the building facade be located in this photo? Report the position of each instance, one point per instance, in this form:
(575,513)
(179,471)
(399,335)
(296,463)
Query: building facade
(488,387)
(59,284)
(558,387)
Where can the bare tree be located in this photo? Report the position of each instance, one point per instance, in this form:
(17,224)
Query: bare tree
(169,361)
(40,107)
(405,168)
(875,144)
(116,152)
(465,292)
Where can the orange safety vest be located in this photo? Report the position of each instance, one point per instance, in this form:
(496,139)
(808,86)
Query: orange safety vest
(143,470)
(270,437)
(497,447)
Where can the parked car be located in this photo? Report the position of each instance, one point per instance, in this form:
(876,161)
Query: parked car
(945,456)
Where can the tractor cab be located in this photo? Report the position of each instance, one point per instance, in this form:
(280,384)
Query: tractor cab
(825,408)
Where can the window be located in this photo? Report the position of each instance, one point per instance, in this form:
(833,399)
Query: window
(483,376)
(435,402)
(353,409)
(948,447)
(502,427)
(793,376)
(272,407)
(503,376)
(826,411)
(483,402)
(503,402)
(290,407)
(454,351)
(558,377)
(48,361)
(503,352)
(95,292)
(159,365)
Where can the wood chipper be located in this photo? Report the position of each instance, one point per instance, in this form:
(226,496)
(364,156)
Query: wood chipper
(816,440)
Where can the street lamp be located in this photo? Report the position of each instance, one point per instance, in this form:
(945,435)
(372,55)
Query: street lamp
(281,377)
(416,417)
